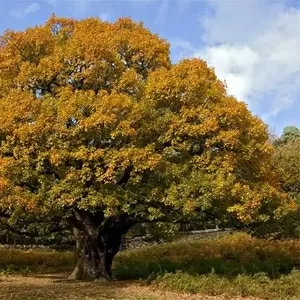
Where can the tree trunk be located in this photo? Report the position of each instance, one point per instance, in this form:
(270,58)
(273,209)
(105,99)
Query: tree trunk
(96,246)
(91,268)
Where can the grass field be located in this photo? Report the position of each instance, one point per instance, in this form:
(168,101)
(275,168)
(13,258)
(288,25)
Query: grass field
(55,286)
(233,266)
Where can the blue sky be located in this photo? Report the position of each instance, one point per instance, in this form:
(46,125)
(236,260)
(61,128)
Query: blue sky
(254,45)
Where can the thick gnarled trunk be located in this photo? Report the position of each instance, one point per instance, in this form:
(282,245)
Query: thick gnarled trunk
(98,240)
(91,268)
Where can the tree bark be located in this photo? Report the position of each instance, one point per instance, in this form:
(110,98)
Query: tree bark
(98,240)
(90,267)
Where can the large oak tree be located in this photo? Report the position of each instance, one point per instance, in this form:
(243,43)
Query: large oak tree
(99,128)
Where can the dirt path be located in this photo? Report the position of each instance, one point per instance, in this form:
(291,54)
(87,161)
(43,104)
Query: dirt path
(55,286)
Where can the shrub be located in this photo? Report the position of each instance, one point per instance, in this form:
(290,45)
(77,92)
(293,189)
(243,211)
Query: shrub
(230,255)
(22,260)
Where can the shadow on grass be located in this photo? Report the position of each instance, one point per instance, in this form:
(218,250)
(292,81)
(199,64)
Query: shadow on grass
(136,269)
(58,287)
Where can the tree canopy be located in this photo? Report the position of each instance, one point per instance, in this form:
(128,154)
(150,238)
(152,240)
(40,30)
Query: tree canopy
(289,133)
(287,157)
(98,127)
(287,161)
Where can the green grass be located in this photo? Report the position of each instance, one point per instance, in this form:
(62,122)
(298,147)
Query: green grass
(259,285)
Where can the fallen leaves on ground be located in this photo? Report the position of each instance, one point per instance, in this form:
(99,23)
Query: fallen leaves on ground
(56,286)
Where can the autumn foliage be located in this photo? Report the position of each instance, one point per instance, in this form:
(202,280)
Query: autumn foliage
(97,126)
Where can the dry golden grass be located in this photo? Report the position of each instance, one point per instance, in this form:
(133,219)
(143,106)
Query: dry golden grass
(20,259)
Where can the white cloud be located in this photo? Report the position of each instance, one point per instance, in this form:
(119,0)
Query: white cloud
(238,21)
(105,16)
(77,8)
(254,46)
(52,2)
(162,12)
(80,7)
(20,13)
(235,64)
(31,8)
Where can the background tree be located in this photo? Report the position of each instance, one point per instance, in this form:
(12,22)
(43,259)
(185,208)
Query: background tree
(286,160)
(289,134)
(98,128)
